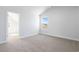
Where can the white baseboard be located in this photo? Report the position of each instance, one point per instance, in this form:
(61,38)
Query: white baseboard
(3,42)
(29,35)
(61,36)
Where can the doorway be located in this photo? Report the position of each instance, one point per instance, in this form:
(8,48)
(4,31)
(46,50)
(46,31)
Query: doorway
(13,24)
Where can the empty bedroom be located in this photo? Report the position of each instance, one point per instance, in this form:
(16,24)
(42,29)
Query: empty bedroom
(39,28)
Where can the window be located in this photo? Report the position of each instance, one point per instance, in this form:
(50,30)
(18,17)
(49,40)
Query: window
(44,22)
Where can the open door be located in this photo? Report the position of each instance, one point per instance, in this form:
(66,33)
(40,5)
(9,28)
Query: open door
(13,24)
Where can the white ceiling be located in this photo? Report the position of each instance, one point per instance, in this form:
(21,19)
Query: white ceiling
(40,9)
(35,9)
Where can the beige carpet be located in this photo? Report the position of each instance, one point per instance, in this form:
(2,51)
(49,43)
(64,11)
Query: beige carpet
(39,43)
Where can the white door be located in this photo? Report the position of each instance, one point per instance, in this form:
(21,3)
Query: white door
(13,24)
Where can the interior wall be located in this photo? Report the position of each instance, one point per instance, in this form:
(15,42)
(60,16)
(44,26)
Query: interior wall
(63,21)
(28,21)
(2,25)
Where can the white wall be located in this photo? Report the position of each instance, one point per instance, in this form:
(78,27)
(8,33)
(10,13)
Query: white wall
(63,22)
(29,20)
(2,25)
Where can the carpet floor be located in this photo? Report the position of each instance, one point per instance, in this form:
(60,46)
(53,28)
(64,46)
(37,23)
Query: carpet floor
(39,43)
